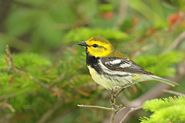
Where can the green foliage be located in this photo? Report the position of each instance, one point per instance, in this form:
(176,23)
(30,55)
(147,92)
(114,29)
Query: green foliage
(161,64)
(165,110)
(48,68)
(30,60)
(20,21)
(31,72)
(84,33)
(157,13)
(18,82)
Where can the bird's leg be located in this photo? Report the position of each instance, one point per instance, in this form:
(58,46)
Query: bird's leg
(119,91)
(114,94)
(113,98)
(113,104)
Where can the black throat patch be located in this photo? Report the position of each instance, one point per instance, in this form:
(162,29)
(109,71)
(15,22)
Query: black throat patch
(93,62)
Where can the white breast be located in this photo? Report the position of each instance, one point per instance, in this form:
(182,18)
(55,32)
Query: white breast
(100,79)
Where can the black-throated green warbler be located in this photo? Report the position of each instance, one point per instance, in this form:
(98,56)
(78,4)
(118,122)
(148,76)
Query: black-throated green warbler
(110,70)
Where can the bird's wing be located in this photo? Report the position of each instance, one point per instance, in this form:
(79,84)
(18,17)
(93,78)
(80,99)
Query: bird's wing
(122,64)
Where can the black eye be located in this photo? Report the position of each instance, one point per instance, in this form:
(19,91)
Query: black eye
(95,45)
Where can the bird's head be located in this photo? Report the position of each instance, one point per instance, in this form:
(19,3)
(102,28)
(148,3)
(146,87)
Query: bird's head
(97,47)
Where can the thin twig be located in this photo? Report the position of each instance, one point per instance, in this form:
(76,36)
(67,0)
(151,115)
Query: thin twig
(121,13)
(46,116)
(117,108)
(7,105)
(113,104)
(178,41)
(96,107)
(113,116)
(130,111)
(9,59)
(174,92)
(114,94)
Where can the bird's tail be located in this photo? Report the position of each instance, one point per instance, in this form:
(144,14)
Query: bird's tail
(163,80)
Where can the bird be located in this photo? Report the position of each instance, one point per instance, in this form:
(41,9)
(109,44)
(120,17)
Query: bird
(110,69)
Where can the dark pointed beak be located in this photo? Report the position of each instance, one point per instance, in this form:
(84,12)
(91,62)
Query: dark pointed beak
(83,43)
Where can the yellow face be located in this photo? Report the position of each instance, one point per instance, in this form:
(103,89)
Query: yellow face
(98,47)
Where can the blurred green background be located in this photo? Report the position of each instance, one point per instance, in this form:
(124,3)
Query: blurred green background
(45,76)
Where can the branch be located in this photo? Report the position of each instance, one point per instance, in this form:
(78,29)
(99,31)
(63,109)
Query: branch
(121,13)
(178,41)
(129,112)
(7,105)
(46,116)
(9,59)
(95,106)
(174,92)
